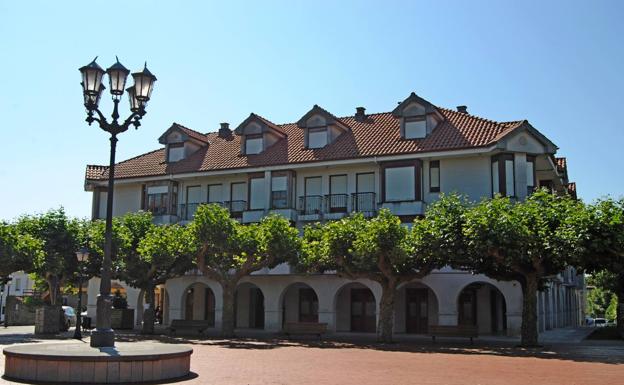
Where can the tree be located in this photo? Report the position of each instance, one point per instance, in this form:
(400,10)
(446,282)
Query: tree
(600,247)
(600,294)
(380,249)
(17,251)
(228,251)
(526,241)
(59,237)
(165,252)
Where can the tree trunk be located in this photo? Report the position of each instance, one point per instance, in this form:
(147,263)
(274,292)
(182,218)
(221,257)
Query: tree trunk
(148,314)
(620,304)
(227,323)
(529,334)
(386,312)
(53,286)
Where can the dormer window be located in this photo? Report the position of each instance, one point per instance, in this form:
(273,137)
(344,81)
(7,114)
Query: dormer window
(317,137)
(415,127)
(175,152)
(253,144)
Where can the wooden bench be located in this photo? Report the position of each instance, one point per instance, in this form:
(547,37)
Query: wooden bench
(465,331)
(301,328)
(188,326)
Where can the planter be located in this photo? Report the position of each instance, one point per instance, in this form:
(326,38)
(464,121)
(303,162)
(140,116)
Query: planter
(122,318)
(48,319)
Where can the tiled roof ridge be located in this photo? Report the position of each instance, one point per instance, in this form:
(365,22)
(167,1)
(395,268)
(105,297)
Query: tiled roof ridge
(105,168)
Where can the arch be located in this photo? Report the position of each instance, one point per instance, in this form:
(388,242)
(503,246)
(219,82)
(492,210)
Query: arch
(249,306)
(355,307)
(482,304)
(416,307)
(299,302)
(198,303)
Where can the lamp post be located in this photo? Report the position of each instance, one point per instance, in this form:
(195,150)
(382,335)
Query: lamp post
(139,94)
(83,256)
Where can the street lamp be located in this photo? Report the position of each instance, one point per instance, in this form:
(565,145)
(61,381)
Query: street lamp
(83,256)
(139,95)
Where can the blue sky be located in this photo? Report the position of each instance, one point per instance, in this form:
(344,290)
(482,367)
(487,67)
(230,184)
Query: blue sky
(558,64)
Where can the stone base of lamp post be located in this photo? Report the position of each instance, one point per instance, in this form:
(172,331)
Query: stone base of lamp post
(103,335)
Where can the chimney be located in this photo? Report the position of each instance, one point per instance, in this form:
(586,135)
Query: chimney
(224,131)
(360,114)
(462,109)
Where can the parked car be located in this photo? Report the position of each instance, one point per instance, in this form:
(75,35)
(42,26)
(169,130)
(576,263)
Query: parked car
(600,322)
(69,317)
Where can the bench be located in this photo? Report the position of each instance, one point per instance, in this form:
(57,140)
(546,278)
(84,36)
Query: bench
(188,326)
(313,328)
(465,331)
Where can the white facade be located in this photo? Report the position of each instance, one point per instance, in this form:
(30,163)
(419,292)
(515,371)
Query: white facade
(20,285)
(327,190)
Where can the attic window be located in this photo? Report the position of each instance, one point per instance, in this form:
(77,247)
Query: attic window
(175,152)
(415,127)
(317,137)
(253,144)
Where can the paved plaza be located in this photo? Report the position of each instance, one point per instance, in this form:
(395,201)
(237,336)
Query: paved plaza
(255,361)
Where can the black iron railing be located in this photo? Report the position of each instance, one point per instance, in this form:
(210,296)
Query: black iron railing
(310,204)
(364,202)
(336,203)
(187,210)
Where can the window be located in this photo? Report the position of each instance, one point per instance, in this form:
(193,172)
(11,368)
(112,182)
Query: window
(317,137)
(337,201)
(279,192)
(176,152)
(257,194)
(434,176)
(158,199)
(215,193)
(18,284)
(503,178)
(253,144)
(193,199)
(312,201)
(400,184)
(530,172)
(238,196)
(415,128)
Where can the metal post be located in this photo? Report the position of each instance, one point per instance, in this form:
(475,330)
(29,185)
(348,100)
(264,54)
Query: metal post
(77,331)
(6,314)
(104,335)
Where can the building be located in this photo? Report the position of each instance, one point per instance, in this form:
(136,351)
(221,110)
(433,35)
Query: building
(21,285)
(323,167)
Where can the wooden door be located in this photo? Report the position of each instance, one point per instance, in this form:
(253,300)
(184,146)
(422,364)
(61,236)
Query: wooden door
(308,305)
(417,310)
(468,307)
(362,311)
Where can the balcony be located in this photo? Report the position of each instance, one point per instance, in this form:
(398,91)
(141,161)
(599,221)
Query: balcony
(310,207)
(336,206)
(364,203)
(236,208)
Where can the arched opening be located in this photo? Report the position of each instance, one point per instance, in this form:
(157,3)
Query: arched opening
(199,303)
(249,307)
(299,304)
(355,309)
(483,305)
(416,307)
(161,306)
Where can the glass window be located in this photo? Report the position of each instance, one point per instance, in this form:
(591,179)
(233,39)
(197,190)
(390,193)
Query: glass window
(157,199)
(176,153)
(400,184)
(238,194)
(253,145)
(415,128)
(509,178)
(317,138)
(215,192)
(279,192)
(257,194)
(18,284)
(495,181)
(530,174)
(365,183)
(312,202)
(434,176)
(313,186)
(338,184)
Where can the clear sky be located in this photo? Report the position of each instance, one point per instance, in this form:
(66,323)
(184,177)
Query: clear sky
(558,64)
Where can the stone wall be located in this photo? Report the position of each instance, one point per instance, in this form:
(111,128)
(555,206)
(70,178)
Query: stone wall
(19,313)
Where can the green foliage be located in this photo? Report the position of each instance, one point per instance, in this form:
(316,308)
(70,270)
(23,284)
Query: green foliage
(17,251)
(224,245)
(601,297)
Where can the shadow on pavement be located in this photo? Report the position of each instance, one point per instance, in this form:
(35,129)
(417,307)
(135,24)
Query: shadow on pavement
(608,354)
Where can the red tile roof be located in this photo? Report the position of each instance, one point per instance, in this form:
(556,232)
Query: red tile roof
(378,135)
